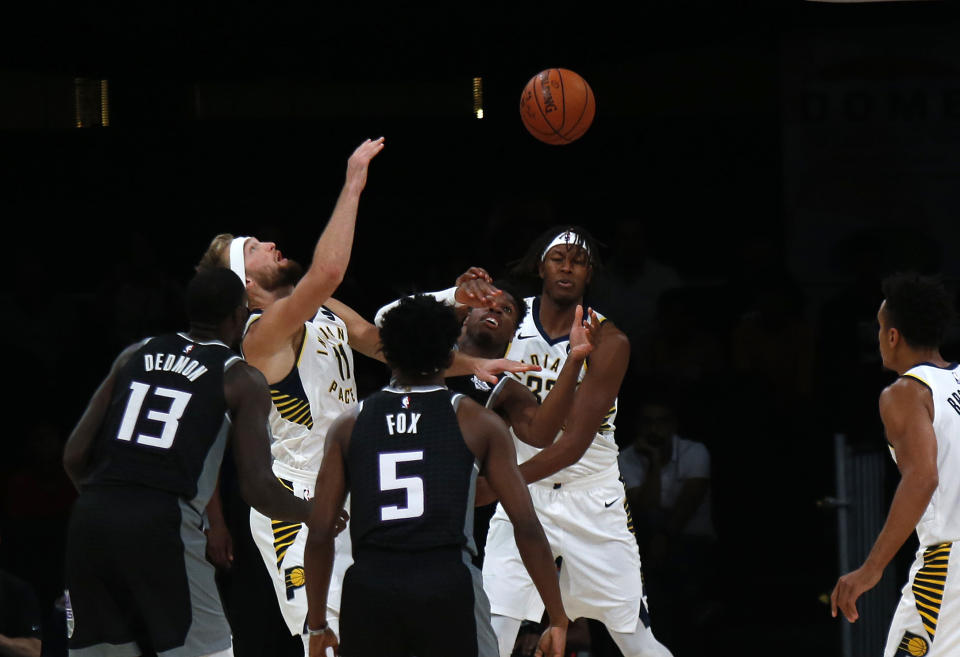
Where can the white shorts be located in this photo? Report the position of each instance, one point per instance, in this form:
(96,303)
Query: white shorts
(600,574)
(927,619)
(281,545)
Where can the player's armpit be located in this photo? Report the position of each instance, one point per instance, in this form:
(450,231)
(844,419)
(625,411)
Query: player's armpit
(364,337)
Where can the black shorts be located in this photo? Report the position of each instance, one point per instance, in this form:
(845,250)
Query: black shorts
(424,604)
(138,579)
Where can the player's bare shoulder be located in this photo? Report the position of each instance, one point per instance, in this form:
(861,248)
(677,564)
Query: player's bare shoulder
(244,383)
(907,395)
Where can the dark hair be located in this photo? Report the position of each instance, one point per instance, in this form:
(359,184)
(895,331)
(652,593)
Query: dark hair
(212,294)
(919,307)
(418,334)
(528,265)
(510,288)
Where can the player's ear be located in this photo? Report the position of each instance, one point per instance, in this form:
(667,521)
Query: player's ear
(589,273)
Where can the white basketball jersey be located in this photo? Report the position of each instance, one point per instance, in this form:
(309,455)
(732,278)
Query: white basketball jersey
(318,389)
(941,522)
(531,345)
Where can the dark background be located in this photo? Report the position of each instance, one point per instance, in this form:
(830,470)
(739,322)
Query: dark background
(754,167)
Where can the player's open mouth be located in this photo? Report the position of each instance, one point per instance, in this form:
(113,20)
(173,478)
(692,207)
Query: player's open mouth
(565,284)
(490,321)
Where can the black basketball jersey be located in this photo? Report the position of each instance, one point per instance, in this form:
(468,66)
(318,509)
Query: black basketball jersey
(166,426)
(410,473)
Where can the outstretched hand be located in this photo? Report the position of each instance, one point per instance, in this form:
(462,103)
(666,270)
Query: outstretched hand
(583,333)
(360,160)
(489,369)
(475,288)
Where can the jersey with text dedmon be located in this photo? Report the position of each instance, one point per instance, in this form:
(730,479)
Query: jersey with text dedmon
(531,345)
(317,389)
(941,522)
(166,425)
(421,496)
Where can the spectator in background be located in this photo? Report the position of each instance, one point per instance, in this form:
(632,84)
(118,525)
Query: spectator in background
(19,618)
(667,481)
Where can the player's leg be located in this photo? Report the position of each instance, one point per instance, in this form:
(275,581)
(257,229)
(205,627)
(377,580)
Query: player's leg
(600,576)
(95,618)
(507,585)
(506,630)
(640,642)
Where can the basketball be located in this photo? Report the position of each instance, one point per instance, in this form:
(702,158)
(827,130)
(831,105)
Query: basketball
(557,106)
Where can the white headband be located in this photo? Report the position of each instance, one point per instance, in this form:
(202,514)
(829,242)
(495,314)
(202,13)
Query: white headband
(236,258)
(568,238)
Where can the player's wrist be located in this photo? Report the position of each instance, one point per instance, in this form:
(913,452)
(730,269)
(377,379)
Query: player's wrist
(319,629)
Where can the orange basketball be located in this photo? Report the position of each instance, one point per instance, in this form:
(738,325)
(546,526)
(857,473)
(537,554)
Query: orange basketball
(557,106)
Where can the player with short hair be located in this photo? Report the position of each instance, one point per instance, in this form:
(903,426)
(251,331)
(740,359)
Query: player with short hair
(409,456)
(145,456)
(921,417)
(576,487)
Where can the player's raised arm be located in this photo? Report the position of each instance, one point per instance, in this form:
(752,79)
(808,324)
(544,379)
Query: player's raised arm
(249,403)
(331,256)
(906,409)
(76,453)
(488,438)
(330,494)
(538,424)
(591,403)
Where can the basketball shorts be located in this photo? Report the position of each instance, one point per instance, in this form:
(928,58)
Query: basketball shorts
(138,579)
(428,604)
(927,619)
(586,524)
(281,544)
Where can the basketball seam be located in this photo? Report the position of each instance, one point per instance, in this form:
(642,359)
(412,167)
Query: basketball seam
(588,95)
(536,97)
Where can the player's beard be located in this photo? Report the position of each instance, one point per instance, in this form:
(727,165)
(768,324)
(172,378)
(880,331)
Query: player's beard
(287,275)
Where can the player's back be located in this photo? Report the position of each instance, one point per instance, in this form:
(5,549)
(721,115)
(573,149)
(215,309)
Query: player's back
(166,426)
(421,497)
(941,521)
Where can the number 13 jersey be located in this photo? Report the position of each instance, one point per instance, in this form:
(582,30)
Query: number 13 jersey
(166,427)
(531,345)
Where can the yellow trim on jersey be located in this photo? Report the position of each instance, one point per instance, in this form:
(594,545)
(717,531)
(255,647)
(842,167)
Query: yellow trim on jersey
(914,376)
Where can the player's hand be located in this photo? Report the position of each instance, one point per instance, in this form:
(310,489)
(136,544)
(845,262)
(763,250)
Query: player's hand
(341,522)
(552,642)
(582,333)
(484,494)
(475,289)
(219,546)
(850,587)
(320,642)
(360,160)
(488,369)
